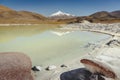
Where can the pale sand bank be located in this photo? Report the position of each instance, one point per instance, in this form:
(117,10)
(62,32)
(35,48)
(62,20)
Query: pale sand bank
(17,24)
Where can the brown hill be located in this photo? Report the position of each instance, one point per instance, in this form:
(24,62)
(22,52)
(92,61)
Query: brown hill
(4,8)
(104,17)
(31,15)
(102,14)
(8,15)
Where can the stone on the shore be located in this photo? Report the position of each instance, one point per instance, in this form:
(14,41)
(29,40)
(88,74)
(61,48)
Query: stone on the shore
(77,74)
(99,67)
(15,66)
(113,43)
(52,67)
(63,65)
(37,68)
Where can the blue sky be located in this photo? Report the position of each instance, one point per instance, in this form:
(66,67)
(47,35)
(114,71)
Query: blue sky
(75,7)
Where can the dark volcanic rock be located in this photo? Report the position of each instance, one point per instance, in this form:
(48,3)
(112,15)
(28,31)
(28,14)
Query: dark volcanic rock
(81,74)
(63,65)
(96,76)
(15,66)
(77,74)
(36,68)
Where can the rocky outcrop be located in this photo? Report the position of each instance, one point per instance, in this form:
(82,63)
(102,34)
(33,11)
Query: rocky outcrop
(15,66)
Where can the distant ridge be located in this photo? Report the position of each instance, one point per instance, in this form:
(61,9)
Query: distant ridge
(10,16)
(104,17)
(102,14)
(116,13)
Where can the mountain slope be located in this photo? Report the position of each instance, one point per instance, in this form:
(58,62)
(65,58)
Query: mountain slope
(4,8)
(102,14)
(8,15)
(116,13)
(31,15)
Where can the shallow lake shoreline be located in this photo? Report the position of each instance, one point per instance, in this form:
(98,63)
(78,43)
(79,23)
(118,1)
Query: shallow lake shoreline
(75,63)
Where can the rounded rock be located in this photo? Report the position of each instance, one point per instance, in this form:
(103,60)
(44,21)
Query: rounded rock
(15,66)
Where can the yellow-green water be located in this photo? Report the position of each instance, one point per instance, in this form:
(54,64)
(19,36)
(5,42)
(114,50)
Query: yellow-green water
(43,46)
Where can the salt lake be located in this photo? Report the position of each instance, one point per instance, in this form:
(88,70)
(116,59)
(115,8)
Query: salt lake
(45,44)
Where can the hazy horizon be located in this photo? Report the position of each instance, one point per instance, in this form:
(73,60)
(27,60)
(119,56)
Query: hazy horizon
(75,7)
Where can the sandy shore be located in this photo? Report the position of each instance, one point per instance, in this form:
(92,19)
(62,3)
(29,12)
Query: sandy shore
(17,24)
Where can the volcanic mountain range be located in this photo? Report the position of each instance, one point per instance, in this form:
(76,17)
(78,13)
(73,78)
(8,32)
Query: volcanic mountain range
(8,16)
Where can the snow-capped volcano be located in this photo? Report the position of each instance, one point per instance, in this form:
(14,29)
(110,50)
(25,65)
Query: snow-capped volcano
(61,15)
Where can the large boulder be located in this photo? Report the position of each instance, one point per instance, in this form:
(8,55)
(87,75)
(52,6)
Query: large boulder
(15,66)
(77,74)
(106,62)
(80,74)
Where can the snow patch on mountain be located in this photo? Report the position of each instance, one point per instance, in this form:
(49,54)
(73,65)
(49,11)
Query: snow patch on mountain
(60,13)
